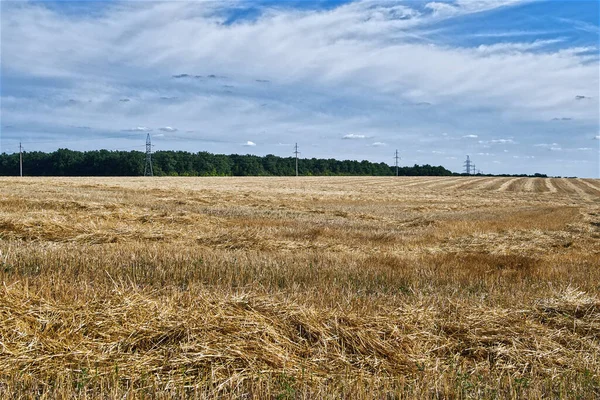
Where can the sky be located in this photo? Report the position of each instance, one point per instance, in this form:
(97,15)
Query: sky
(514,84)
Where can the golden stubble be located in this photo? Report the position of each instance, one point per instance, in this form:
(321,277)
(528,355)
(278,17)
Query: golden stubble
(299,287)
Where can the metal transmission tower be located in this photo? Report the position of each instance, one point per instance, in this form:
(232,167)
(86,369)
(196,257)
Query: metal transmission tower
(148,165)
(20,160)
(397,157)
(296,152)
(473,169)
(468,166)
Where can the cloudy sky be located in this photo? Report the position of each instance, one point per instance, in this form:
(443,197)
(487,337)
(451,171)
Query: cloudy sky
(514,84)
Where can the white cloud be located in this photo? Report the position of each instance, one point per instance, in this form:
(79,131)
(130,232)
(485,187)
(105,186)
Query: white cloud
(516,47)
(486,143)
(249,144)
(518,33)
(359,67)
(310,53)
(379,144)
(461,7)
(509,141)
(555,148)
(597,137)
(168,129)
(139,129)
(584,148)
(354,136)
(502,141)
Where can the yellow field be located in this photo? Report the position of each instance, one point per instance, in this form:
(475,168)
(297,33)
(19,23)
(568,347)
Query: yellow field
(300,287)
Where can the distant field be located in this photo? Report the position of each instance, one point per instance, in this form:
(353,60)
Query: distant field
(360,287)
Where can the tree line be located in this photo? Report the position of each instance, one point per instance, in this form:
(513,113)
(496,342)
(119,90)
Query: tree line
(65,162)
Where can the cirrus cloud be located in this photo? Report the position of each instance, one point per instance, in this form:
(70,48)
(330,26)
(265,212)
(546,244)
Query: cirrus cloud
(303,73)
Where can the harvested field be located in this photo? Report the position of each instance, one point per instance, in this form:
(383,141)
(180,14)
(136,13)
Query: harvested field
(306,288)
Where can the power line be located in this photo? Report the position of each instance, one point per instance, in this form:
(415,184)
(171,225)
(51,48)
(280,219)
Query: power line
(148,165)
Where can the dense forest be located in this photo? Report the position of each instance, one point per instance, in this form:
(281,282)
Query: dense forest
(64,162)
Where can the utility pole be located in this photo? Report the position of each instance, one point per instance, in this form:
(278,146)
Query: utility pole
(473,169)
(467,166)
(20,160)
(397,157)
(296,152)
(148,165)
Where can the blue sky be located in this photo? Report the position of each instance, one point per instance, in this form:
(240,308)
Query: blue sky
(514,84)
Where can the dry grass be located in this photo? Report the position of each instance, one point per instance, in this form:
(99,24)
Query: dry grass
(300,288)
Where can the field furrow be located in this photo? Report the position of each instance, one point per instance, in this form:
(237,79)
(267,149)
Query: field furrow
(461,183)
(529,185)
(506,185)
(517,185)
(446,183)
(424,182)
(478,184)
(593,183)
(540,186)
(551,187)
(564,186)
(587,187)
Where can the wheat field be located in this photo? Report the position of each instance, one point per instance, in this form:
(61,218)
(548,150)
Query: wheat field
(300,288)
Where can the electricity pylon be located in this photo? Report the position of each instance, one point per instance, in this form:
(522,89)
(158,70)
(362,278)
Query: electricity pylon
(296,152)
(467,166)
(148,165)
